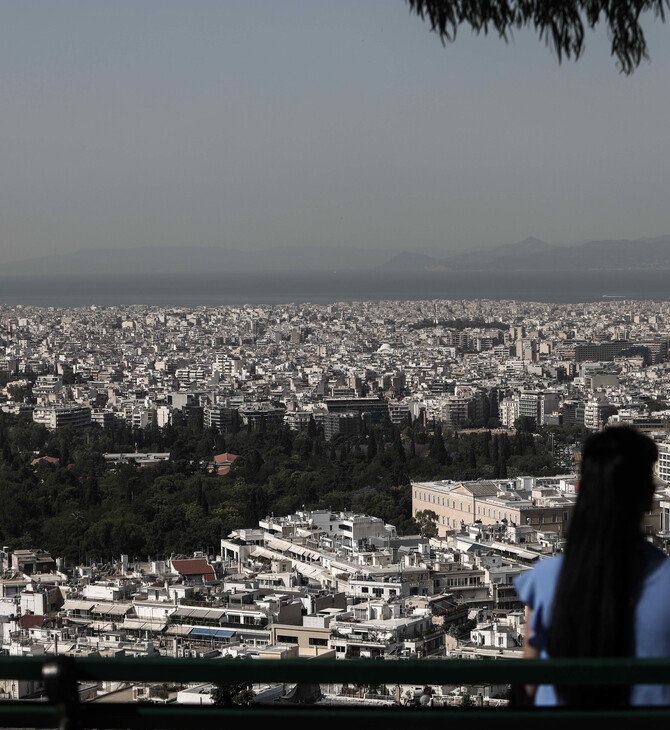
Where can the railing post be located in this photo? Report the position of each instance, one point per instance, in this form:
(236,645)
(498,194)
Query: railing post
(60,680)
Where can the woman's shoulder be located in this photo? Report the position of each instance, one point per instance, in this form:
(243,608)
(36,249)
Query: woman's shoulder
(538,585)
(652,628)
(657,564)
(654,592)
(546,569)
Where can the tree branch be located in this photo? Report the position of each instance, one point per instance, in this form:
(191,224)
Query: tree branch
(560,23)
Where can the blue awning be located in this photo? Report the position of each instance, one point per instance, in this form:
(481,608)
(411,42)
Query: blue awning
(213,633)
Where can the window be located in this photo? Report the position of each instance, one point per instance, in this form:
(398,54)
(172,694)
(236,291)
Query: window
(286,639)
(313,641)
(365,589)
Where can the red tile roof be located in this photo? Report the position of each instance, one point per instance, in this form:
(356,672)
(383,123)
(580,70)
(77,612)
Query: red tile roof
(30,620)
(48,459)
(225,458)
(194,566)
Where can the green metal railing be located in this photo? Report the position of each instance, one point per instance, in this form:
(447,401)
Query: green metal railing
(61,674)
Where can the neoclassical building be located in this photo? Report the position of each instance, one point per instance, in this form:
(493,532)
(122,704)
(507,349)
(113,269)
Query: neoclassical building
(544,503)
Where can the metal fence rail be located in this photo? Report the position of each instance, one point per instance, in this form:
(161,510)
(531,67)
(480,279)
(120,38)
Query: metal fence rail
(60,675)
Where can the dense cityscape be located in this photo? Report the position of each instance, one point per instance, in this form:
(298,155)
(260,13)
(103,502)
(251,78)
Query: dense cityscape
(352,480)
(334,363)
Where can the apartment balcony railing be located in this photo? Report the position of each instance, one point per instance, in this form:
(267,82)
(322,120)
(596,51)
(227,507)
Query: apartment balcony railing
(60,675)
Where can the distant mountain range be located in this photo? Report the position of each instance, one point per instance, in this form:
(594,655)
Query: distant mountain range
(531,254)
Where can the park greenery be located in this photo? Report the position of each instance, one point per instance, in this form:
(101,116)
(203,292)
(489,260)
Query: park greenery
(84,508)
(233,694)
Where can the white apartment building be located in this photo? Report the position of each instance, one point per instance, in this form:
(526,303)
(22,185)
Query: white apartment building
(508,411)
(663,464)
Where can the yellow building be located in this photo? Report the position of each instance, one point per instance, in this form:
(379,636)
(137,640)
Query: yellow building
(461,503)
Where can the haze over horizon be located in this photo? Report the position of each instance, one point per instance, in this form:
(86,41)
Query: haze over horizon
(316,124)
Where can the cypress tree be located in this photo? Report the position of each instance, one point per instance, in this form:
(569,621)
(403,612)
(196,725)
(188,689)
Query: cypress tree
(372,447)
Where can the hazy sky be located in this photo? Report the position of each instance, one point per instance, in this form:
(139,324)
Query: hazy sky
(258,124)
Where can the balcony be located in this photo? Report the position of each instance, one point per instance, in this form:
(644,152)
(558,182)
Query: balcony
(61,674)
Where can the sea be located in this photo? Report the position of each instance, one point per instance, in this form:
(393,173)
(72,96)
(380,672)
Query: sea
(325,287)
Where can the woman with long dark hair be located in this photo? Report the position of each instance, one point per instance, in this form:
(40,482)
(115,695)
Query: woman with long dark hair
(608,595)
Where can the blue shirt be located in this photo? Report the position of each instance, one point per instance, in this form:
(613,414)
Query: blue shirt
(536,589)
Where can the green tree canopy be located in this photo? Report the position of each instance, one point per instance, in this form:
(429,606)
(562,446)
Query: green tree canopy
(233,694)
(427,521)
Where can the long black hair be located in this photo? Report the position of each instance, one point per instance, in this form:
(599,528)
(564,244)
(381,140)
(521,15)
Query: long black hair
(597,589)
